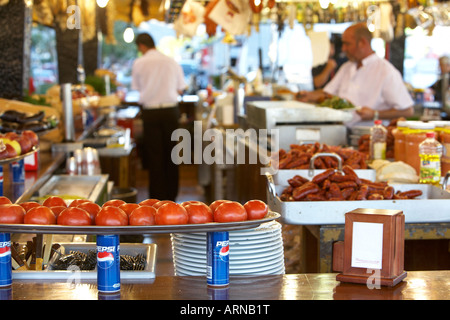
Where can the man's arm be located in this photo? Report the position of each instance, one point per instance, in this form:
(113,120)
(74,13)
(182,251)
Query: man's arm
(321,78)
(367,113)
(312,96)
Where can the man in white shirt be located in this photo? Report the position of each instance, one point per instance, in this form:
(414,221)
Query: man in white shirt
(159,80)
(368,81)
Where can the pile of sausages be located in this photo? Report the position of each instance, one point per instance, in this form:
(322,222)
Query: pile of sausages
(299,156)
(333,185)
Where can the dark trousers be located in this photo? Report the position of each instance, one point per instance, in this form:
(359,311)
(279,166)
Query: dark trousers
(163,173)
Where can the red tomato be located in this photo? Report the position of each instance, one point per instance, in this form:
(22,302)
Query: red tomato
(40,215)
(128,208)
(171,213)
(29,204)
(92,208)
(230,212)
(217,203)
(77,202)
(148,202)
(57,210)
(114,203)
(142,216)
(185,203)
(54,201)
(4,200)
(161,203)
(199,212)
(111,216)
(11,213)
(74,216)
(256,209)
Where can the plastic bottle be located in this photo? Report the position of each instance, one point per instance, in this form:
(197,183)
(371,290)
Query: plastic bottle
(378,135)
(445,160)
(430,152)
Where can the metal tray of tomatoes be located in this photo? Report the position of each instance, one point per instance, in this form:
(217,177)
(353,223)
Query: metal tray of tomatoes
(137,230)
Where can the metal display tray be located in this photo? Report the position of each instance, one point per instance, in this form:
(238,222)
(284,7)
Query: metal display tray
(82,186)
(148,250)
(137,230)
(19,157)
(431,207)
(283,175)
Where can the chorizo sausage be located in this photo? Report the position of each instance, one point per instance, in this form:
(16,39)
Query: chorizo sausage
(411,194)
(347,192)
(335,192)
(302,191)
(388,192)
(375,196)
(297,181)
(362,192)
(322,176)
(347,184)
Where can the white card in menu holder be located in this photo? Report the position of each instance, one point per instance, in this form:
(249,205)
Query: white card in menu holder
(367,245)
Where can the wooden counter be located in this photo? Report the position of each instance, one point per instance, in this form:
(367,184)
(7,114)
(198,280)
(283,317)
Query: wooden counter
(418,285)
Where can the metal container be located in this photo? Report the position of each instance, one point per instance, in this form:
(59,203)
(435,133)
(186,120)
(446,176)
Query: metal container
(432,207)
(66,98)
(282,176)
(299,122)
(71,187)
(148,250)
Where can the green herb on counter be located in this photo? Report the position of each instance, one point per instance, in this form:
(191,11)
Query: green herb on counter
(337,103)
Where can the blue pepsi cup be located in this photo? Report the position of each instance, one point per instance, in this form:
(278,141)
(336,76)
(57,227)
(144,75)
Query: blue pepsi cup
(218,293)
(5,260)
(218,260)
(6,293)
(18,171)
(108,263)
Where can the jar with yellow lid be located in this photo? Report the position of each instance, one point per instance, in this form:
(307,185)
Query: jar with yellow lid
(399,140)
(439,127)
(445,141)
(414,135)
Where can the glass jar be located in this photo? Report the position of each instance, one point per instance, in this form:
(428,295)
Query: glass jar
(439,127)
(415,134)
(445,160)
(399,140)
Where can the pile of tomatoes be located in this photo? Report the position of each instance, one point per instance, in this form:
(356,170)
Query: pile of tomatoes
(116,212)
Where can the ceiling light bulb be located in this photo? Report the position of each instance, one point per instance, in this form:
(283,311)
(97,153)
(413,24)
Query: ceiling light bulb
(128,35)
(102,3)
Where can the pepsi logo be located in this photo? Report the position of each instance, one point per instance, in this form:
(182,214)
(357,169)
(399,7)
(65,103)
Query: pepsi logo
(105,259)
(5,251)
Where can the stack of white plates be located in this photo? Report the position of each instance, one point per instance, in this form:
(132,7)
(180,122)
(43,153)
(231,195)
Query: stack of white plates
(253,251)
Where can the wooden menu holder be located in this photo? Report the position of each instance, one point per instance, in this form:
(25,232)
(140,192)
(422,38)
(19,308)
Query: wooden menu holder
(373,247)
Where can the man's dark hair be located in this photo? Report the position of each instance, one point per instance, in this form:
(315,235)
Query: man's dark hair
(146,40)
